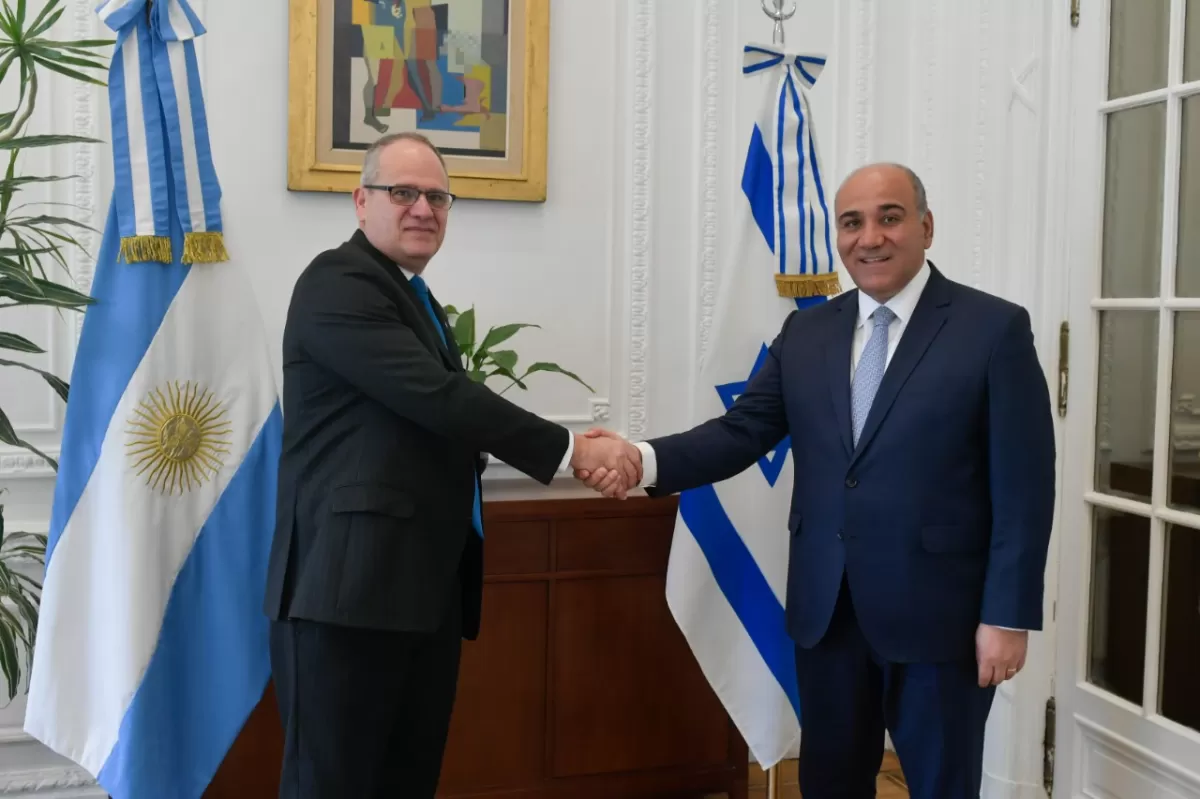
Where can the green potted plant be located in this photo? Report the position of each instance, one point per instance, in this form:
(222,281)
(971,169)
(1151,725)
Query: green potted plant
(483,361)
(32,246)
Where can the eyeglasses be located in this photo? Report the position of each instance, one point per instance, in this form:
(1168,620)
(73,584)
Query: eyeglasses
(408,195)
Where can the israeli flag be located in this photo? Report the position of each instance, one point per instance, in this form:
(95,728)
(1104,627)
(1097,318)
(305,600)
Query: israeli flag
(152,648)
(727,576)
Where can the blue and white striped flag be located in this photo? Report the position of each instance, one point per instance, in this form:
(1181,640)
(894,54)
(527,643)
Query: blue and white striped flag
(160,133)
(726,580)
(152,648)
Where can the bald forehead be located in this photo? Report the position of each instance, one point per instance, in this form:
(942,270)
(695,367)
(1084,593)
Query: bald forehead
(888,184)
(412,163)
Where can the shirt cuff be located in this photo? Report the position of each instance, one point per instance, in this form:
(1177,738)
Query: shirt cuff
(649,465)
(565,465)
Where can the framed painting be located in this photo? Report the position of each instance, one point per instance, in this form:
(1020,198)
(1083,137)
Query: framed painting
(472,75)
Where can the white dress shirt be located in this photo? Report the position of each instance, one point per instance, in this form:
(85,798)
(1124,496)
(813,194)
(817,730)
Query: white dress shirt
(566,461)
(902,305)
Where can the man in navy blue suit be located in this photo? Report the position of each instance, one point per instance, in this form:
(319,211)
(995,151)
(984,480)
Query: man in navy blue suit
(921,422)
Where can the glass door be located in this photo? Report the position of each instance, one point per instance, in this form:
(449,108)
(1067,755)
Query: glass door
(1128,686)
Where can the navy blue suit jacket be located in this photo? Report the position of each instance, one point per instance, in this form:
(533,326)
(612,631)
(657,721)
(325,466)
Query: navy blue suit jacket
(940,518)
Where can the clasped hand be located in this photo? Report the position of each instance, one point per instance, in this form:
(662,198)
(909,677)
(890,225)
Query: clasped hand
(606,462)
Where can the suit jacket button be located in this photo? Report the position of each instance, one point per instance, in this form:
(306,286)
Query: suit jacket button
(851,482)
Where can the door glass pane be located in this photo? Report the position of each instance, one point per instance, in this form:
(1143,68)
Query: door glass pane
(1120,585)
(1184,463)
(1187,270)
(1179,695)
(1137,46)
(1133,202)
(1191,42)
(1125,403)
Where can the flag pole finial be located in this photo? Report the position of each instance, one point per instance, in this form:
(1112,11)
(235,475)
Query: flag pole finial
(778,15)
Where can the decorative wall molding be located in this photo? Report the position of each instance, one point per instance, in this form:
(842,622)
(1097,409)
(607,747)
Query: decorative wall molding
(982,153)
(56,782)
(601,410)
(1158,777)
(933,87)
(640,200)
(864,82)
(21,465)
(710,180)
(84,100)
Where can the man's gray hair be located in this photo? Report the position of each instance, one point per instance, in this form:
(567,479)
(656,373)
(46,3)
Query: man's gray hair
(370,167)
(918,188)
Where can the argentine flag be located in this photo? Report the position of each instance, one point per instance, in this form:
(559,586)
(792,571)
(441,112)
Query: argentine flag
(151,647)
(727,575)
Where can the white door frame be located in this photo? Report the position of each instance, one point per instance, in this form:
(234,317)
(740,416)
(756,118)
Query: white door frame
(1105,745)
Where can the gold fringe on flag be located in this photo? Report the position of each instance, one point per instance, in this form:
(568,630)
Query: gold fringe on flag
(138,249)
(798,286)
(207,247)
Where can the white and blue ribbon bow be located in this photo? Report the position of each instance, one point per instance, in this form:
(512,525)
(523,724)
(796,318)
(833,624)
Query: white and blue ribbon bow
(160,133)
(800,234)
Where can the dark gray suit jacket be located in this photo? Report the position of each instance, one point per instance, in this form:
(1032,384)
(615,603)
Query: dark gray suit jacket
(382,439)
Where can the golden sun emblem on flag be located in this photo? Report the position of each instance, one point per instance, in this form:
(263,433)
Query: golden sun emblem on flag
(179,434)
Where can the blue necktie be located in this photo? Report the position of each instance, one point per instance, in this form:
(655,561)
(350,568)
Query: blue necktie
(871,367)
(422,290)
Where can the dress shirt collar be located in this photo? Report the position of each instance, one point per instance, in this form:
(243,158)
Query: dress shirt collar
(903,304)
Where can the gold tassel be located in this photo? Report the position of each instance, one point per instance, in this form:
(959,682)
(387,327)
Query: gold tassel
(138,249)
(797,286)
(207,247)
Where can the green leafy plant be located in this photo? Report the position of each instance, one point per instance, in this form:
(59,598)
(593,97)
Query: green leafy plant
(32,244)
(483,361)
(30,240)
(20,598)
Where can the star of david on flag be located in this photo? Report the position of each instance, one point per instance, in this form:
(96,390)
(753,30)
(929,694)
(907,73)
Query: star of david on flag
(772,463)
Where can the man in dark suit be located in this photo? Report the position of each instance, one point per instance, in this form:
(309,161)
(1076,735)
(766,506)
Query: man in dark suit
(376,569)
(923,449)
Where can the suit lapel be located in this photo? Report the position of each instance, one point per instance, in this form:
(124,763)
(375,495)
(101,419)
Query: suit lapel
(837,366)
(425,329)
(431,334)
(928,318)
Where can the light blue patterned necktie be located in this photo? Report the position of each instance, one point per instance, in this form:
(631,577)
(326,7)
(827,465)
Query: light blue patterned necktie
(871,366)
(418,283)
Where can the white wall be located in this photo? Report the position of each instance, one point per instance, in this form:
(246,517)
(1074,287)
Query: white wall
(648,125)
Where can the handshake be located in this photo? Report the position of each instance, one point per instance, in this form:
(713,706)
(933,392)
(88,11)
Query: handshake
(606,462)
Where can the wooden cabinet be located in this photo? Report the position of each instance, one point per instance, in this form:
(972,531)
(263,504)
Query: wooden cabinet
(580,684)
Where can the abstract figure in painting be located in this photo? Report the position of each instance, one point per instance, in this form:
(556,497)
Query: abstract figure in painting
(438,67)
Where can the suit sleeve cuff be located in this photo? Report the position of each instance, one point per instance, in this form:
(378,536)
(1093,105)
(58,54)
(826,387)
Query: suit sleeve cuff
(565,464)
(649,465)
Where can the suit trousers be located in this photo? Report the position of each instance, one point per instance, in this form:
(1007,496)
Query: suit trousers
(365,712)
(935,712)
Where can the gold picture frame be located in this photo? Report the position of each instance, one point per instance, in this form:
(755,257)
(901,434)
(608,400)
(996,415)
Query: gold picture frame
(338,46)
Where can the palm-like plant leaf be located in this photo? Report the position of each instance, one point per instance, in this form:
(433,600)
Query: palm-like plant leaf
(31,242)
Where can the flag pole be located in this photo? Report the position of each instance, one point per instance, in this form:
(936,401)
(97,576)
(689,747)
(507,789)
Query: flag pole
(777,15)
